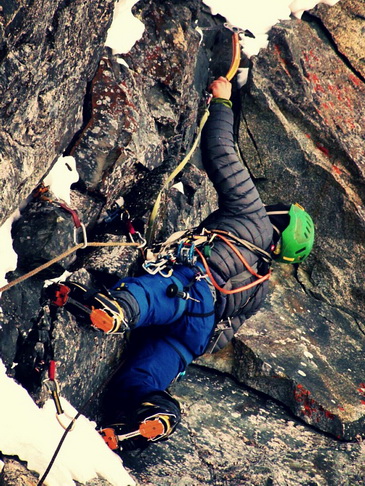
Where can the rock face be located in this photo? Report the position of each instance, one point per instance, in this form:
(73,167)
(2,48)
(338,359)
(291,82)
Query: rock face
(303,96)
(45,67)
(238,437)
(128,119)
(318,379)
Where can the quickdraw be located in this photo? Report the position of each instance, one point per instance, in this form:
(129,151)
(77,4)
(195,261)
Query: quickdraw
(118,212)
(79,245)
(54,389)
(41,191)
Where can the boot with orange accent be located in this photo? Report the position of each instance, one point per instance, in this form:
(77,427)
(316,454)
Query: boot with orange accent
(156,418)
(100,311)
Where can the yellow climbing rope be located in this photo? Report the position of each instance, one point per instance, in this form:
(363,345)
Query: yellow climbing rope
(174,173)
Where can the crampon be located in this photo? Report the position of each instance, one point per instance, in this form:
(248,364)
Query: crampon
(152,429)
(103,313)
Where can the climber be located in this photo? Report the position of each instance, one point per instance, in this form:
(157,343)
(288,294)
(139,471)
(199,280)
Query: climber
(219,274)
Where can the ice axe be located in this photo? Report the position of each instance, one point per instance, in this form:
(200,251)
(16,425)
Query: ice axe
(236,50)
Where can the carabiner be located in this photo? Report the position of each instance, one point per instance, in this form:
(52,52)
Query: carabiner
(153,267)
(143,240)
(63,423)
(167,274)
(84,235)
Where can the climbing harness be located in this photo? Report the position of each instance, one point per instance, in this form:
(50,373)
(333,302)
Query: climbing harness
(188,247)
(259,278)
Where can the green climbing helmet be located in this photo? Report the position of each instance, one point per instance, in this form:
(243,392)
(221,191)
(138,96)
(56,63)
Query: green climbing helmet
(297,239)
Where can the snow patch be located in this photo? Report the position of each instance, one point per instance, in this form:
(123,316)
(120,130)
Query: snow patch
(33,434)
(8,257)
(260,16)
(179,186)
(125,29)
(62,175)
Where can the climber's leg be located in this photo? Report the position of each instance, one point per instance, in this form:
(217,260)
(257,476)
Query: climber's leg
(138,392)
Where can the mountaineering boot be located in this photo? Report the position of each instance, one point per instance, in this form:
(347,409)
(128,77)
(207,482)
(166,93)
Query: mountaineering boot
(154,420)
(104,314)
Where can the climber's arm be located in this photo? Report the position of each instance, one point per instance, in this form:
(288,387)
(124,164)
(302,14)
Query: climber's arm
(232,181)
(240,207)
